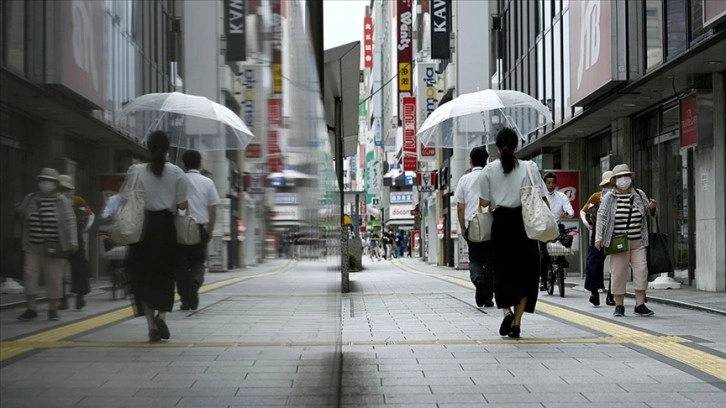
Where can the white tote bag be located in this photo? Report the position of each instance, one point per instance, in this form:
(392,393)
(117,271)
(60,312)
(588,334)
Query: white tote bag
(538,219)
(480,226)
(129,223)
(187,228)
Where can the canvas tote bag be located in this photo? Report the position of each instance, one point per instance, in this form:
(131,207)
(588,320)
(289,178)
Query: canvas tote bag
(129,223)
(187,228)
(480,226)
(538,220)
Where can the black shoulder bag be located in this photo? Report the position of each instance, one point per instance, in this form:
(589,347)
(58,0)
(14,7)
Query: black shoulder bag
(659,257)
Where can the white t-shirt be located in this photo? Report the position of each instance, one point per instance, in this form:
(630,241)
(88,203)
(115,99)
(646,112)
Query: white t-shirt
(205,195)
(559,203)
(165,192)
(467,193)
(503,190)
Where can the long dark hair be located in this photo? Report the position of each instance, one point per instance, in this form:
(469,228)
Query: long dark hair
(158,145)
(507,141)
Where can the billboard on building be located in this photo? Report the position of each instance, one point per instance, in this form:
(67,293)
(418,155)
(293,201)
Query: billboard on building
(404,47)
(440,29)
(426,99)
(235,30)
(276,8)
(253,104)
(409,134)
(367,42)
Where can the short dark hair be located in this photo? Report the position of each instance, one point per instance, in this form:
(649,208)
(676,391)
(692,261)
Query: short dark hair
(550,175)
(192,159)
(479,156)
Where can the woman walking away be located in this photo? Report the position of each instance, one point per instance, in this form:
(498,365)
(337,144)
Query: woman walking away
(152,261)
(515,256)
(594,275)
(49,234)
(623,213)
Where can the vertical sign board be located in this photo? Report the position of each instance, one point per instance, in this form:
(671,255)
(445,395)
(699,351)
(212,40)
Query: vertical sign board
(404,46)
(367,42)
(409,134)
(440,29)
(689,121)
(276,8)
(234,30)
(568,183)
(591,48)
(249,80)
(274,111)
(426,99)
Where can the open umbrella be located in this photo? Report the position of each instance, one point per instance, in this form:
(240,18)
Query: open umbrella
(193,122)
(473,119)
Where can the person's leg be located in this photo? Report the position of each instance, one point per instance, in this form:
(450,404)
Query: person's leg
(182,276)
(544,265)
(196,272)
(639,265)
(80,276)
(476,274)
(53,276)
(619,267)
(150,321)
(31,271)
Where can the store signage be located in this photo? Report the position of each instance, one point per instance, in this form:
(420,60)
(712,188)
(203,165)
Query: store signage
(409,134)
(400,212)
(689,121)
(440,29)
(426,88)
(234,30)
(275,6)
(274,118)
(378,135)
(404,46)
(426,181)
(255,183)
(249,83)
(285,212)
(367,42)
(399,198)
(568,183)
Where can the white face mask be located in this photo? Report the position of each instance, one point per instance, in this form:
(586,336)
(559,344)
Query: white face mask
(46,186)
(624,183)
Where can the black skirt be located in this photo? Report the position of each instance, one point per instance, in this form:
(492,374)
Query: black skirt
(515,260)
(152,262)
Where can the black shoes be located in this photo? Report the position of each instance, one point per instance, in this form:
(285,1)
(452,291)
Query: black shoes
(610,299)
(642,310)
(489,304)
(514,331)
(506,325)
(479,296)
(619,311)
(80,302)
(543,287)
(63,305)
(595,298)
(154,336)
(28,315)
(53,315)
(161,328)
(184,306)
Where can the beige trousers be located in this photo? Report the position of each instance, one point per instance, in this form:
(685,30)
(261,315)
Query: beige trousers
(620,264)
(52,268)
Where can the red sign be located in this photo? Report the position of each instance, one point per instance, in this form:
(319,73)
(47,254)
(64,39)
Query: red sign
(273,141)
(426,151)
(568,182)
(274,110)
(367,42)
(689,121)
(274,164)
(253,151)
(409,125)
(410,163)
(426,180)
(404,47)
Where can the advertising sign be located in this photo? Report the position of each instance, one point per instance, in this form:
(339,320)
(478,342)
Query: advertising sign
(426,181)
(409,134)
(234,30)
(223,212)
(404,46)
(440,29)
(591,49)
(426,92)
(400,212)
(374,174)
(568,182)
(274,114)
(286,212)
(275,6)
(286,199)
(401,197)
(367,42)
(250,82)
(689,121)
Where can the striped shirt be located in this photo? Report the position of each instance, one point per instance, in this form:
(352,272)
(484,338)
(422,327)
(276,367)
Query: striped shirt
(625,207)
(43,222)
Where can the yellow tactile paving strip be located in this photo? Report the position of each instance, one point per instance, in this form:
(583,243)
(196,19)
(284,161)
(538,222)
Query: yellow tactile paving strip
(53,337)
(673,347)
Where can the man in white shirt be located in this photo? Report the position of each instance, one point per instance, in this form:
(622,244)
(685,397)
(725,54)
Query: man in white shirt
(203,206)
(466,196)
(561,208)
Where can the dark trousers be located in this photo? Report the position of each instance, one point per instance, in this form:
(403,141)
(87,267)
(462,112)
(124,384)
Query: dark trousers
(481,271)
(544,261)
(190,274)
(594,279)
(80,275)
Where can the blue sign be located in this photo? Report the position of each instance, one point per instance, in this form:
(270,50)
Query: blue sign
(401,198)
(278,182)
(378,135)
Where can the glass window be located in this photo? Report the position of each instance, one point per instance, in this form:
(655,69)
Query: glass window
(654,32)
(540,71)
(676,23)
(558,7)
(696,19)
(671,118)
(546,14)
(566,61)
(14,35)
(557,51)
(549,93)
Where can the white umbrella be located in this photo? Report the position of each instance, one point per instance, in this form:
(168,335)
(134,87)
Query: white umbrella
(474,119)
(193,122)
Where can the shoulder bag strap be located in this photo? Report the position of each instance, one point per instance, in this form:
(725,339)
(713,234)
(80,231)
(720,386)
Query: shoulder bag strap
(630,215)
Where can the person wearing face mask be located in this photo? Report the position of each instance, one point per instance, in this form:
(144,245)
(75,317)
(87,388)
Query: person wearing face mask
(80,275)
(594,275)
(561,208)
(49,234)
(623,212)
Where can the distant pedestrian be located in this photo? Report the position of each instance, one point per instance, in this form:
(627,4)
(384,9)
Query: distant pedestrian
(153,261)
(49,234)
(203,206)
(467,204)
(516,257)
(624,211)
(594,275)
(80,273)
(561,208)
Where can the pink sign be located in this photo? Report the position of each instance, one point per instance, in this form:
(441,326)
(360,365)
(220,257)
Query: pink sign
(689,121)
(590,48)
(568,182)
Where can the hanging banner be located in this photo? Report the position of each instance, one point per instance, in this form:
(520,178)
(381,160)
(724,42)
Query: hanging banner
(275,6)
(234,30)
(252,107)
(426,99)
(440,29)
(367,42)
(689,121)
(404,46)
(409,134)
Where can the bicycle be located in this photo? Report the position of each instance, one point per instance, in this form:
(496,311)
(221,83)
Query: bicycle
(558,263)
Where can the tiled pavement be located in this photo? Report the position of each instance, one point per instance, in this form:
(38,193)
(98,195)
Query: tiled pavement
(408,338)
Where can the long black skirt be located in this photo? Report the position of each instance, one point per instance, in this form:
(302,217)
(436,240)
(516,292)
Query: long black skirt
(152,263)
(515,260)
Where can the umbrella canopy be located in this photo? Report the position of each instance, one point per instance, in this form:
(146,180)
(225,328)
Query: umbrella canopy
(193,122)
(474,119)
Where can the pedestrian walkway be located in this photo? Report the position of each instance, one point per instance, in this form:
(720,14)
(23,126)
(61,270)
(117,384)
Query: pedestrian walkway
(408,334)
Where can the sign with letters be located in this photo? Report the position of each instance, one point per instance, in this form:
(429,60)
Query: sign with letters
(440,29)
(234,30)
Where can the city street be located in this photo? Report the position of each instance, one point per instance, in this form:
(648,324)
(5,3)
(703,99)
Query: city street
(411,335)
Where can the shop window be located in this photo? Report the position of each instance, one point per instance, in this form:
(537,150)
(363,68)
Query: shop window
(676,19)
(670,118)
(654,32)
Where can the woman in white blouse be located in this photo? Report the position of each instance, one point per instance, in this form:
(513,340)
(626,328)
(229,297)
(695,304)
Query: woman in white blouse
(515,256)
(152,262)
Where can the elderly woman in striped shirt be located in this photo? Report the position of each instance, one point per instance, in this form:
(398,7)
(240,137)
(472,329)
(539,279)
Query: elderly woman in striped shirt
(623,212)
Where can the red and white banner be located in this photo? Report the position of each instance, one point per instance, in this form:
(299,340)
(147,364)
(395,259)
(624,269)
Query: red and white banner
(409,134)
(367,42)
(274,115)
(689,121)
